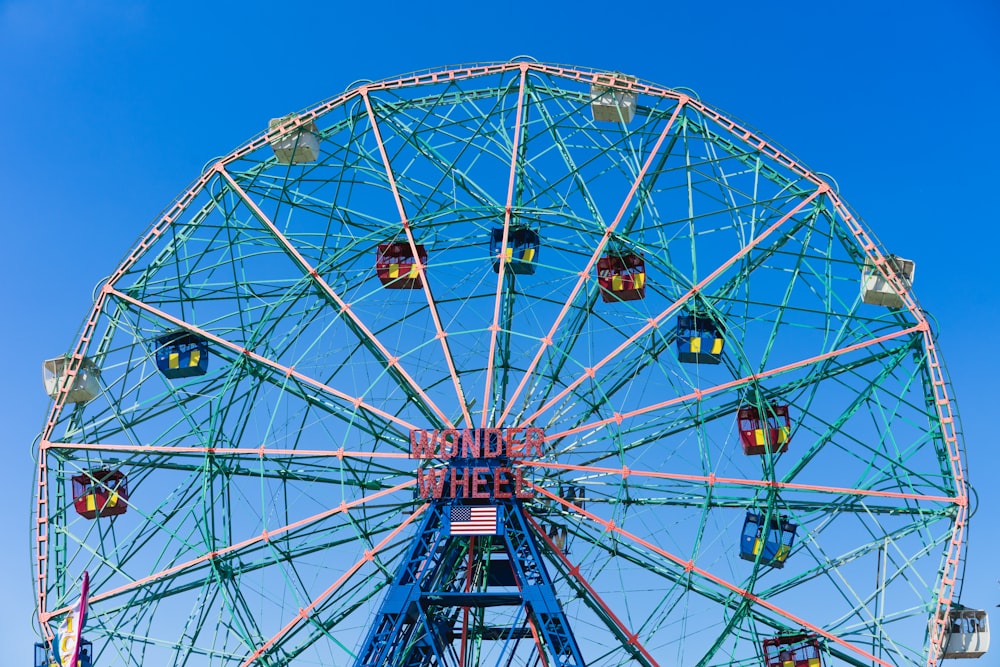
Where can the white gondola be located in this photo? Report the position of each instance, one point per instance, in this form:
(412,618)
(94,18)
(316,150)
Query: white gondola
(294,147)
(84,386)
(611,104)
(967,634)
(876,288)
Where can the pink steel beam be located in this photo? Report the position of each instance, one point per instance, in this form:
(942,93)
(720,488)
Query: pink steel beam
(344,307)
(440,334)
(574,571)
(495,327)
(655,322)
(42,494)
(264,537)
(259,452)
(946,418)
(689,566)
(584,275)
(698,394)
(305,611)
(289,371)
(712,479)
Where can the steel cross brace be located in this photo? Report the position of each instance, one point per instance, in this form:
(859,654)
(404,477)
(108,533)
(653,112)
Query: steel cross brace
(419,620)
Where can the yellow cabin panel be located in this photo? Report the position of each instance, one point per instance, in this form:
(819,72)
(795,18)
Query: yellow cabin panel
(195,357)
(640,280)
(717,346)
(394,270)
(695,345)
(758,436)
(174,360)
(529,255)
(616,283)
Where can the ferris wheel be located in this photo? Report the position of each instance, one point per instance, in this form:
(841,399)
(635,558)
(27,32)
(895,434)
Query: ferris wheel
(505,364)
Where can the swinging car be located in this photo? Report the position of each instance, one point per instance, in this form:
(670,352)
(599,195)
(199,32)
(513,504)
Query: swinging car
(967,634)
(773,542)
(296,146)
(798,650)
(621,277)
(612,104)
(522,249)
(181,354)
(100,493)
(760,435)
(396,265)
(700,339)
(876,288)
(82,387)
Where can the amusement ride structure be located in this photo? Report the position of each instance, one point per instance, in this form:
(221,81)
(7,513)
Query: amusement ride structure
(506,364)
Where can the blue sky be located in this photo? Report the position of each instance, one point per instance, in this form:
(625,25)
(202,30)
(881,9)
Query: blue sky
(109,109)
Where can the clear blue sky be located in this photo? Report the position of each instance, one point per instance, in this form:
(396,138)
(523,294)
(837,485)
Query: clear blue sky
(109,109)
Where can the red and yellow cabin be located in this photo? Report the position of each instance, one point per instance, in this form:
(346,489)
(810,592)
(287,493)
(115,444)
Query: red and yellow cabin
(621,277)
(770,432)
(100,493)
(798,650)
(396,265)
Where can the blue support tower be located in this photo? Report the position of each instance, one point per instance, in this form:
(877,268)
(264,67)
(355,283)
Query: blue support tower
(444,576)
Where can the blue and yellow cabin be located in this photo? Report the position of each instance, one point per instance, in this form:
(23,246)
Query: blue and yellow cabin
(772,543)
(181,354)
(700,339)
(521,252)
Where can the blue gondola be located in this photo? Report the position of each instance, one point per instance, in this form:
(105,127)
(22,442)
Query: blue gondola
(522,249)
(700,339)
(181,354)
(44,657)
(773,544)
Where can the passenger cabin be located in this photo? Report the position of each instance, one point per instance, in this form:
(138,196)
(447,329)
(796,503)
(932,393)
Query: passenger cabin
(768,433)
(293,146)
(967,634)
(45,658)
(81,387)
(621,277)
(396,265)
(700,339)
(798,650)
(181,354)
(611,104)
(876,288)
(522,249)
(773,543)
(100,493)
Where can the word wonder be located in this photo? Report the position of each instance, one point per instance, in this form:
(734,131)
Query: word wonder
(476,443)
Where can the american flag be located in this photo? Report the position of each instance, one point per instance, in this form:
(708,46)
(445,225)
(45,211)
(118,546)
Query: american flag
(474,520)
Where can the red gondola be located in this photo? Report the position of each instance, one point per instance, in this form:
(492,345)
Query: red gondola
(397,267)
(798,650)
(770,433)
(100,493)
(621,277)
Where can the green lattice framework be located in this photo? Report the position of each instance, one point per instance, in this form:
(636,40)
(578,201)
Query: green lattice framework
(272,498)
